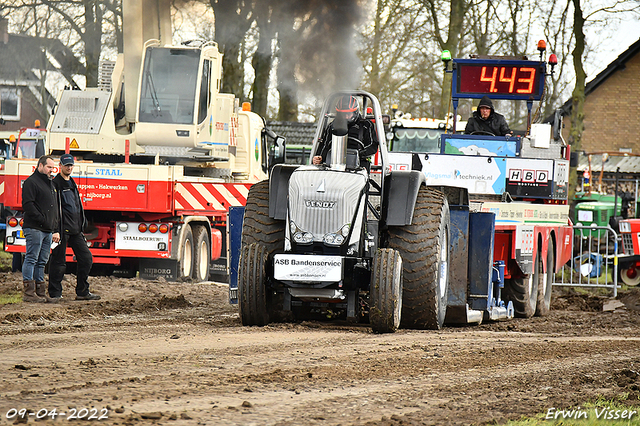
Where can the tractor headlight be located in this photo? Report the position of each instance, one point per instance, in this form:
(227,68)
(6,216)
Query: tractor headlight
(303,237)
(337,238)
(300,236)
(333,239)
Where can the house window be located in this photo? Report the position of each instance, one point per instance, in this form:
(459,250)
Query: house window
(10,104)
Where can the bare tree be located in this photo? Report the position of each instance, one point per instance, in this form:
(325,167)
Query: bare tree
(577,97)
(233,20)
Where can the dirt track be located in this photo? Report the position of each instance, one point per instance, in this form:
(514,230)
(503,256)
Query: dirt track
(167,353)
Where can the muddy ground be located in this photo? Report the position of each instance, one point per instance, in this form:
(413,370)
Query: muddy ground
(152,352)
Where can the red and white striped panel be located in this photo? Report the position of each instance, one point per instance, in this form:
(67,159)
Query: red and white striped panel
(210,196)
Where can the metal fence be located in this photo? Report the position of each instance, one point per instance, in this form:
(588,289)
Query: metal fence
(594,260)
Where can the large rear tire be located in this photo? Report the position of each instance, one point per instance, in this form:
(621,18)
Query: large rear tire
(202,254)
(259,229)
(252,291)
(545,283)
(523,291)
(386,291)
(257,226)
(424,247)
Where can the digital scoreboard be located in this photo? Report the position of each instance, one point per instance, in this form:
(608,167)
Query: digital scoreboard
(498,79)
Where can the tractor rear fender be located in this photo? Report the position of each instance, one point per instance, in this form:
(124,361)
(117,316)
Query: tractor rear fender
(279,190)
(401,191)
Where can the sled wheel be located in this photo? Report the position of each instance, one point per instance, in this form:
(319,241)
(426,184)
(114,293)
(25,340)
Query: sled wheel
(252,291)
(424,248)
(523,292)
(202,254)
(545,283)
(185,265)
(386,291)
(629,274)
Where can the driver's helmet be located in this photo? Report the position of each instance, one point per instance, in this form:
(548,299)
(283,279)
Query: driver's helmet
(348,106)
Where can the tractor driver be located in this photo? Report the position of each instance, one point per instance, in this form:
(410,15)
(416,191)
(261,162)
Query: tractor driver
(486,120)
(361,131)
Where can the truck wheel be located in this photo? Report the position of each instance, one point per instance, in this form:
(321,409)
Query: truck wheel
(523,292)
(545,283)
(252,292)
(386,291)
(424,247)
(257,226)
(629,274)
(185,265)
(202,254)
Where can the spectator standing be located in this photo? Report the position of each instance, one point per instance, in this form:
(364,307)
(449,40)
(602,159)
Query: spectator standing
(71,226)
(41,221)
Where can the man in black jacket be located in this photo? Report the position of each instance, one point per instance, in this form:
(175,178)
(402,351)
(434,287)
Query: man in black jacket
(71,227)
(41,221)
(486,120)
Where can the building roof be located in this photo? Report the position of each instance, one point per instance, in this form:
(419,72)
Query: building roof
(22,54)
(612,68)
(295,133)
(627,163)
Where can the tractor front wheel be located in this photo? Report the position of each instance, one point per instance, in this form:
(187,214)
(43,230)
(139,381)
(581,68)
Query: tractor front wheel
(252,291)
(386,291)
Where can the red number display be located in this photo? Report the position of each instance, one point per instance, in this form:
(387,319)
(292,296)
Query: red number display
(502,80)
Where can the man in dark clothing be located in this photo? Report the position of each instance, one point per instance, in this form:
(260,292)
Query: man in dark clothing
(40,224)
(71,227)
(360,131)
(486,120)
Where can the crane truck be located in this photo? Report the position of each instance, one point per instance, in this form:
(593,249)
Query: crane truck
(160,153)
(470,229)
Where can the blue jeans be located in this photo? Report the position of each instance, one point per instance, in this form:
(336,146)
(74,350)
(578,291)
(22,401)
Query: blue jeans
(38,249)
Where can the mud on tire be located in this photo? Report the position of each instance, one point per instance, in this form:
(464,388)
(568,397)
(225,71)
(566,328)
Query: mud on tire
(545,283)
(252,291)
(523,291)
(386,291)
(424,247)
(257,226)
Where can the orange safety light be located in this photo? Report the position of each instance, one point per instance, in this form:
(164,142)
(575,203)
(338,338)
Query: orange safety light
(142,227)
(21,221)
(13,222)
(153,228)
(553,59)
(164,228)
(12,138)
(37,123)
(246,106)
(542,45)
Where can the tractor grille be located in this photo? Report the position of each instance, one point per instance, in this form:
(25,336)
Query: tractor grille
(327,210)
(604,216)
(627,243)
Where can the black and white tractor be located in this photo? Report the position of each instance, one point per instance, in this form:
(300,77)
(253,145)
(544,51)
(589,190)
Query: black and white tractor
(345,239)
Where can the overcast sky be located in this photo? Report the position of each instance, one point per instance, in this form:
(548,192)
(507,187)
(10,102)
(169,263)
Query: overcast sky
(627,32)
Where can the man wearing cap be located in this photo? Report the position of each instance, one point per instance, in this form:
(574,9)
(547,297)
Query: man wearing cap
(71,226)
(486,120)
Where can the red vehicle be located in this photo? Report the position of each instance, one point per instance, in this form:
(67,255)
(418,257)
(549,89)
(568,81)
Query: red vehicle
(522,180)
(160,156)
(629,261)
